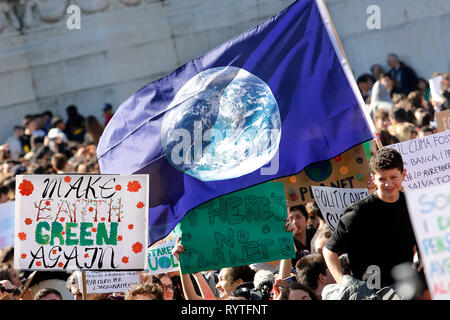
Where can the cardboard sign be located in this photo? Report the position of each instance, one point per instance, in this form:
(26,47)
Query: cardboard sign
(348,170)
(332,202)
(426,160)
(81,222)
(109,282)
(443,120)
(7,224)
(238,229)
(429,210)
(160,258)
(435,89)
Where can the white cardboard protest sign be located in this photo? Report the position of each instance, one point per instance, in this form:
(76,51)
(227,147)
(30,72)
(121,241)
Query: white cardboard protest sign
(435,88)
(332,202)
(109,281)
(429,210)
(81,222)
(160,258)
(426,160)
(7,224)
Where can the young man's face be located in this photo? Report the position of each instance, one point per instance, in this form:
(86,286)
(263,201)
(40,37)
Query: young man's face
(389,183)
(299,220)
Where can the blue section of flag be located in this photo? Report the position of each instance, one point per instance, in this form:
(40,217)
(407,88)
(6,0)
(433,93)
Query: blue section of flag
(292,54)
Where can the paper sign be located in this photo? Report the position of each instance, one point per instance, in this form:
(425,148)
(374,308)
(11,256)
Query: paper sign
(443,120)
(429,210)
(238,229)
(348,170)
(332,202)
(160,258)
(435,88)
(84,222)
(109,282)
(426,160)
(7,224)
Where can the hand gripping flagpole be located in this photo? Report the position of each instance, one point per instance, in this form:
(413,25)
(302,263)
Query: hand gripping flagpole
(329,26)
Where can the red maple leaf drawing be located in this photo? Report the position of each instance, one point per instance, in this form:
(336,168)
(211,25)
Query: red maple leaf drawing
(125,259)
(67,179)
(23,255)
(137,247)
(26,188)
(47,203)
(28,221)
(134,186)
(38,263)
(140,205)
(60,264)
(118,187)
(119,238)
(22,236)
(130,226)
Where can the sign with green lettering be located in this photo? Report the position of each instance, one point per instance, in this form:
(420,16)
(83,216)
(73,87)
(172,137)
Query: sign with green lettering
(160,258)
(81,222)
(241,228)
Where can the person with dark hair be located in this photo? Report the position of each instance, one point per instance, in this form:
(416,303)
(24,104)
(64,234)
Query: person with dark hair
(75,129)
(93,130)
(296,291)
(298,216)
(4,194)
(390,85)
(365,84)
(404,75)
(424,87)
(376,231)
(312,272)
(107,113)
(59,162)
(166,285)
(231,278)
(397,116)
(48,294)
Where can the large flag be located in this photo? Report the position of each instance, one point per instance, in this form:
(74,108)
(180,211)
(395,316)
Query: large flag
(261,106)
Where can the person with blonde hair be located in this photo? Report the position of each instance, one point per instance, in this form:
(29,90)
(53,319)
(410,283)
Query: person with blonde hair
(405,131)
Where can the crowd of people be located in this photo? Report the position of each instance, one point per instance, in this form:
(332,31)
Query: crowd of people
(328,265)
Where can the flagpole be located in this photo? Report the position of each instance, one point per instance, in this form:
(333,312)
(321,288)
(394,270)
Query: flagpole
(347,69)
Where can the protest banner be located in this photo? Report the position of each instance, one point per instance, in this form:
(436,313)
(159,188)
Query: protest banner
(430,217)
(109,281)
(7,224)
(332,202)
(426,160)
(81,222)
(160,258)
(348,170)
(443,120)
(241,228)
